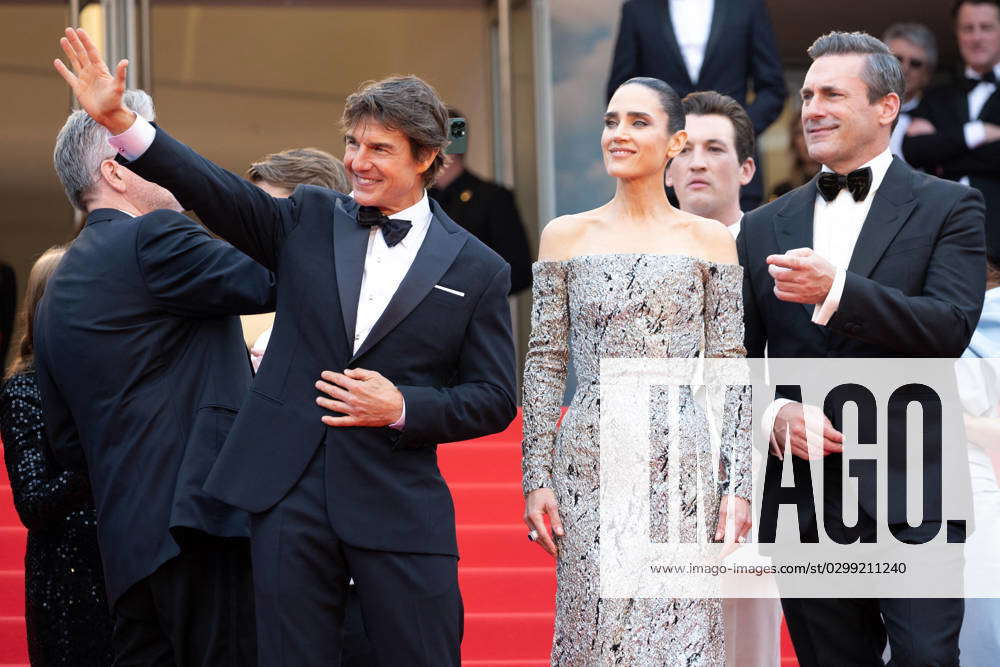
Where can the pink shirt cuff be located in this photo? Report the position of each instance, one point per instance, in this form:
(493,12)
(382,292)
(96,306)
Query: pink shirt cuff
(824,311)
(134,141)
(401,422)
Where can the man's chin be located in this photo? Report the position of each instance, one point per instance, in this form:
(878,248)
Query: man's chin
(367,198)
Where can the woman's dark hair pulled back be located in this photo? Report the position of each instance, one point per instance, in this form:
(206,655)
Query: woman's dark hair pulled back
(670,101)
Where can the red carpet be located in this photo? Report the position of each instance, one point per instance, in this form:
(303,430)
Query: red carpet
(508,584)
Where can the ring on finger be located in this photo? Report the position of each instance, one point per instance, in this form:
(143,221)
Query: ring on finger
(533,535)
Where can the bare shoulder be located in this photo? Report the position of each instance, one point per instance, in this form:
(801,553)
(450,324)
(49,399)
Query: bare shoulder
(562,236)
(715,240)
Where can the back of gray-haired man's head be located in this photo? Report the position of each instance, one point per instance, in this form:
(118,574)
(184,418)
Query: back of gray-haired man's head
(882,73)
(82,145)
(917,34)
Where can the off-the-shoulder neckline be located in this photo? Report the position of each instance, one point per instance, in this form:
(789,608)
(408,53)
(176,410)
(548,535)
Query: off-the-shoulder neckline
(636,254)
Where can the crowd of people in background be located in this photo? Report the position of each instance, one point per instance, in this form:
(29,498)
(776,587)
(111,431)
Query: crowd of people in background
(156,533)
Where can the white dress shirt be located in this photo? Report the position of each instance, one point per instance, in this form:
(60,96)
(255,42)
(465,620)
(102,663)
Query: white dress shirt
(836,226)
(902,125)
(692,24)
(734,228)
(384,268)
(975,132)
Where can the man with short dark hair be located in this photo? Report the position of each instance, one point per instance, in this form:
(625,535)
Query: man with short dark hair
(717,159)
(869,259)
(707,175)
(410,310)
(955,133)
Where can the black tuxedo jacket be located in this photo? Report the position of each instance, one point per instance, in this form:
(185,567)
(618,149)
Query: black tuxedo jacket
(142,365)
(451,356)
(741,47)
(489,211)
(914,287)
(946,154)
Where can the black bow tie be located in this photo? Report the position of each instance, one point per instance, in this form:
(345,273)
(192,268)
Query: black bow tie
(969,83)
(393,229)
(858,183)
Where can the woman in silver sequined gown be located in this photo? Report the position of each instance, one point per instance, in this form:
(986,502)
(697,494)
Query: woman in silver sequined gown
(634,278)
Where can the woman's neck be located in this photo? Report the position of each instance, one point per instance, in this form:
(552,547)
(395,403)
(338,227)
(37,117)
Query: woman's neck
(641,200)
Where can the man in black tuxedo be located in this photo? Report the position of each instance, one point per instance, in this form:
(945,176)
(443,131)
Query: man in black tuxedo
(869,259)
(705,45)
(955,133)
(410,310)
(142,365)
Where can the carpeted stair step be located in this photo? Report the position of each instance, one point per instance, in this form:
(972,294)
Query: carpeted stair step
(487,502)
(13,647)
(508,589)
(504,545)
(507,636)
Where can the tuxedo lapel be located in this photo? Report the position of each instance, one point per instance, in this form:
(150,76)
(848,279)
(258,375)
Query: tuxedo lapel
(893,203)
(672,46)
(436,254)
(991,110)
(350,244)
(793,225)
(714,35)
(960,105)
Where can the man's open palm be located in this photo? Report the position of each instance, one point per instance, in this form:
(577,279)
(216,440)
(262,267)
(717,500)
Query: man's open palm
(98,92)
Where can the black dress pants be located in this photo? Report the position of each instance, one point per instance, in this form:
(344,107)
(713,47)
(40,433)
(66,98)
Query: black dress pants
(196,610)
(852,632)
(410,603)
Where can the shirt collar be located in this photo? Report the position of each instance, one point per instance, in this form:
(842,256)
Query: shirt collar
(879,164)
(419,216)
(973,74)
(907,107)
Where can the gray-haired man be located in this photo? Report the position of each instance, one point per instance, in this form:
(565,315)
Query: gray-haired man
(141,364)
(915,48)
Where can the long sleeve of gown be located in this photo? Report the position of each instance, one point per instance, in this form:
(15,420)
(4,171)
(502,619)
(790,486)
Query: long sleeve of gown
(544,373)
(42,493)
(724,338)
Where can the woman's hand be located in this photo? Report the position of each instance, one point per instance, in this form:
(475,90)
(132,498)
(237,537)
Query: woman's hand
(537,505)
(739,509)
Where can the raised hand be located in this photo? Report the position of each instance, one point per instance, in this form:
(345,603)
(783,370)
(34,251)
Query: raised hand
(98,91)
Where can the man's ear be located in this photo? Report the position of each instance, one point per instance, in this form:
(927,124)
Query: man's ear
(677,141)
(747,170)
(667,180)
(112,175)
(891,105)
(426,159)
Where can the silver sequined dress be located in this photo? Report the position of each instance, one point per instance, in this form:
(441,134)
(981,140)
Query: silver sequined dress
(627,306)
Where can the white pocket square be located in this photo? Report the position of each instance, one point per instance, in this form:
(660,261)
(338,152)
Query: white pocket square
(449,290)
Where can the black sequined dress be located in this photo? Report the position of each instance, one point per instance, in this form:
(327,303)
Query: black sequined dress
(66,611)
